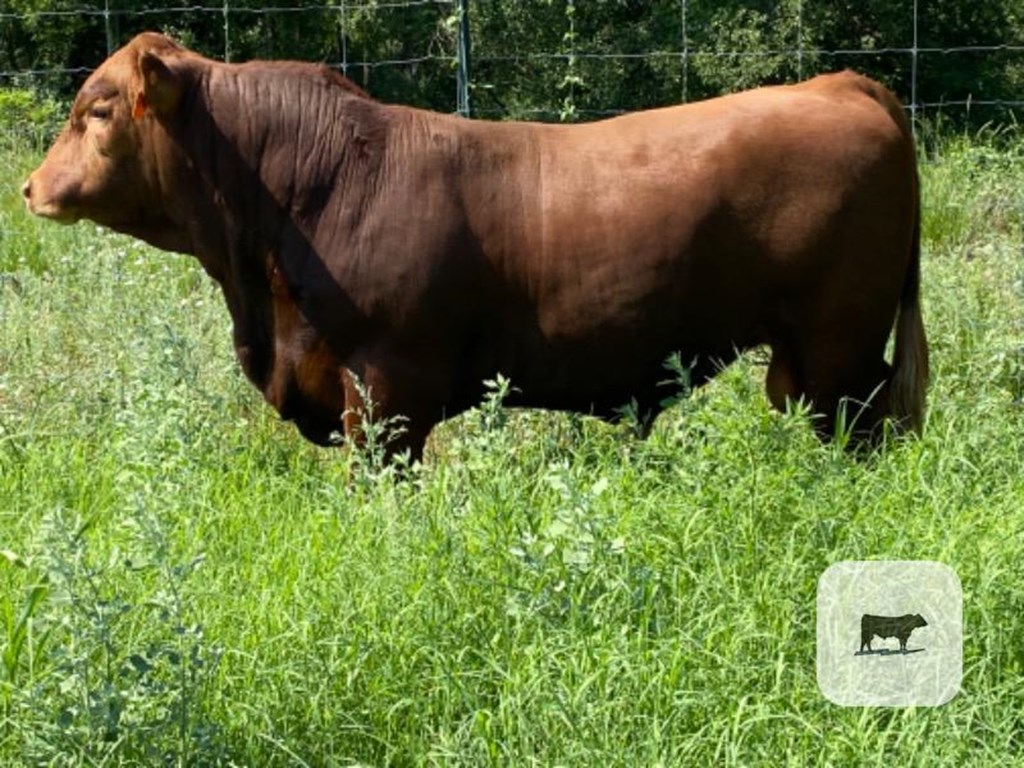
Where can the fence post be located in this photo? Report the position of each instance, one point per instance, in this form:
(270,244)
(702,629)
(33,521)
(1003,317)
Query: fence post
(464,98)
(108,27)
(686,52)
(799,40)
(227,31)
(913,78)
(344,39)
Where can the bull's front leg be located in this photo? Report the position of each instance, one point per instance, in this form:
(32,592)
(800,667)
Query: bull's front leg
(402,420)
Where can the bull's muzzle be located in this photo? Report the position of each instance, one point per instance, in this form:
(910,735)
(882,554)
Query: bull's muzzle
(42,207)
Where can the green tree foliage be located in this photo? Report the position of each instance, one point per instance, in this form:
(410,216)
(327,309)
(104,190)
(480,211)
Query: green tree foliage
(943,73)
(554,59)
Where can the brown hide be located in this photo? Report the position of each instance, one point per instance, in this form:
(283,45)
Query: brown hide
(424,253)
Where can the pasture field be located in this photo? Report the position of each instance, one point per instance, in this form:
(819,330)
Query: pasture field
(184,582)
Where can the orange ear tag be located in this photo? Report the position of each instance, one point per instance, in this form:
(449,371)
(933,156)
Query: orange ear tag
(139,110)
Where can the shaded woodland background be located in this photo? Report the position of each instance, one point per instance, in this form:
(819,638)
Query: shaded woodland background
(560,59)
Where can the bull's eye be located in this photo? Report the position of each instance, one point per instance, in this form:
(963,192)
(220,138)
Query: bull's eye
(100,111)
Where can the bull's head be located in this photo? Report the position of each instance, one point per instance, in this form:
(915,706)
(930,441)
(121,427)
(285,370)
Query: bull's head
(105,165)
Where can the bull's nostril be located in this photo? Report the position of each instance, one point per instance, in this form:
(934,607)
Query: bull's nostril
(26,190)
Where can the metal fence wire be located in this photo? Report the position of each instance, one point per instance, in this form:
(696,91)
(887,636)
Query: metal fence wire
(555,59)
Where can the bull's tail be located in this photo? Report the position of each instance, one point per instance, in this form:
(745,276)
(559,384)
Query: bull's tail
(910,357)
(909,377)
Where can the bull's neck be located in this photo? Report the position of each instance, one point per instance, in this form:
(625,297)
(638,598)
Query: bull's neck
(281,138)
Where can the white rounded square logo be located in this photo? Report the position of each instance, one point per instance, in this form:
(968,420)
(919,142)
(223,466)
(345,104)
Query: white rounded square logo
(890,633)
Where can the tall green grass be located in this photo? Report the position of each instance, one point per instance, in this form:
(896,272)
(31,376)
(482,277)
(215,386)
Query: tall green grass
(183,581)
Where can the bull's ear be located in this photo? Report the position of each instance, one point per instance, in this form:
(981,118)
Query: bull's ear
(161,87)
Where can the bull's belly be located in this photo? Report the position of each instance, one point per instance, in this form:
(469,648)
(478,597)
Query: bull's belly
(601,379)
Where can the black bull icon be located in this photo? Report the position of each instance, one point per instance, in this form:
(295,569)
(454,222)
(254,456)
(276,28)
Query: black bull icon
(899,627)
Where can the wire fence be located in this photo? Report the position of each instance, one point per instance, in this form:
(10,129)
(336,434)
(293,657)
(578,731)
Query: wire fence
(554,59)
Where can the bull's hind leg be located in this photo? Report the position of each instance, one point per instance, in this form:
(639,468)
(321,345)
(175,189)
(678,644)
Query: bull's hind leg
(842,378)
(847,382)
